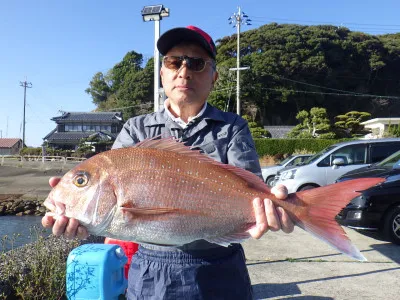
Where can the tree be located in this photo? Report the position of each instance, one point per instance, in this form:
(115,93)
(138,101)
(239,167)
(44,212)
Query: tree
(349,123)
(392,131)
(127,87)
(313,124)
(292,68)
(255,129)
(100,88)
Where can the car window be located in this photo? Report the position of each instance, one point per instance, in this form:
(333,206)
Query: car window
(351,155)
(389,161)
(283,162)
(319,154)
(295,161)
(380,151)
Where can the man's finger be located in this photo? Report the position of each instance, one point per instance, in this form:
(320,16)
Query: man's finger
(60,225)
(287,224)
(273,221)
(71,229)
(47,221)
(261,219)
(280,191)
(82,233)
(53,181)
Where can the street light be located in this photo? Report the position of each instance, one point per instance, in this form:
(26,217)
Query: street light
(155,13)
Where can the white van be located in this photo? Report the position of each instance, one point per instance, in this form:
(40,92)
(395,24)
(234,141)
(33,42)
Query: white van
(326,166)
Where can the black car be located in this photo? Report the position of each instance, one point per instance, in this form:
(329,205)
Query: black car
(377,208)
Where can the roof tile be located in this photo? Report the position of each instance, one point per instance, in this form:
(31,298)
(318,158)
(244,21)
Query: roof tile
(8,142)
(89,116)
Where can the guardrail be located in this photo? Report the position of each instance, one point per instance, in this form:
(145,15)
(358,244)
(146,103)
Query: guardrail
(47,162)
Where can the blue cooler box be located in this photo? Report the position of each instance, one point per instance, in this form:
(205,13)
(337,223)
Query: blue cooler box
(96,271)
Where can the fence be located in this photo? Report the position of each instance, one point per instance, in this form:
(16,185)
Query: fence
(40,162)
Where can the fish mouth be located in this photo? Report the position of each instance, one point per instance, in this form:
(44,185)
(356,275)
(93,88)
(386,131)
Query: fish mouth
(56,208)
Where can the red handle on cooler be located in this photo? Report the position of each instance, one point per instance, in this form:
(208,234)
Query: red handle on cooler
(129,248)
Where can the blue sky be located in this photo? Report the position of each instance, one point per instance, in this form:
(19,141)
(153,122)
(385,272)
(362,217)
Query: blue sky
(59,45)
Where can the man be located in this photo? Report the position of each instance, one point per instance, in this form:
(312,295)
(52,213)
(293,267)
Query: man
(199,270)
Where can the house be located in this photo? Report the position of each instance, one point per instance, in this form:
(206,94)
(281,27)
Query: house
(278,132)
(10,146)
(71,127)
(379,125)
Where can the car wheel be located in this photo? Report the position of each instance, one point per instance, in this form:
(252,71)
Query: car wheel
(392,225)
(307,187)
(269,180)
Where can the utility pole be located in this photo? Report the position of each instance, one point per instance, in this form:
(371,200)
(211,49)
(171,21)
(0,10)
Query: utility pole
(25,85)
(238,18)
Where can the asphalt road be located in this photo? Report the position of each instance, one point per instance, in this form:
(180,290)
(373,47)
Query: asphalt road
(300,266)
(282,266)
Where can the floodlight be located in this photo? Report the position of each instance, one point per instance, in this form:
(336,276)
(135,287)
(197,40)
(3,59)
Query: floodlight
(154,12)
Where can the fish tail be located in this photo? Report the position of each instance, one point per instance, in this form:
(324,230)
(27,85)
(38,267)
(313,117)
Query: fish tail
(318,207)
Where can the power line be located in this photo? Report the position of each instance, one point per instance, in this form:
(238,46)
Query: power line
(294,91)
(372,28)
(119,108)
(324,93)
(325,22)
(334,94)
(314,85)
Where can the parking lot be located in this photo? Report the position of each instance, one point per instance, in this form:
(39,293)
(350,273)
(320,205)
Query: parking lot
(299,266)
(281,266)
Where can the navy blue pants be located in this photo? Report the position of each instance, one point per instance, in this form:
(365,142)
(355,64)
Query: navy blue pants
(181,275)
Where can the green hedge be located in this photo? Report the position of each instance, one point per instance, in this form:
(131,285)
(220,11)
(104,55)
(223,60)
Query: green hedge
(289,146)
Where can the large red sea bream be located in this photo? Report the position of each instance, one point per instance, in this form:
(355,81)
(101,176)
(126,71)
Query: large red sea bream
(162,192)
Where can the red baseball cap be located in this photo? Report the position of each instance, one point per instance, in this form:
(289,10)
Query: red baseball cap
(190,33)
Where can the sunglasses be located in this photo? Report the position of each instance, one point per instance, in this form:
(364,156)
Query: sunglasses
(195,64)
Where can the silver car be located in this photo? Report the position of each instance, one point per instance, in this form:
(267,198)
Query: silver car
(269,172)
(326,166)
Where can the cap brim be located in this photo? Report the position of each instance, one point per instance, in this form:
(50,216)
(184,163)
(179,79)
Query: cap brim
(176,36)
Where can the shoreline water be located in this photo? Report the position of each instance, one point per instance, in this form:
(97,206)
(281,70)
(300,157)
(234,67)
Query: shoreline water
(17,231)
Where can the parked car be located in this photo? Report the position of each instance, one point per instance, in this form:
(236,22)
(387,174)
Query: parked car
(269,172)
(326,166)
(377,208)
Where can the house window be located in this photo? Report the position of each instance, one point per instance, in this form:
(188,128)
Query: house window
(73,127)
(105,127)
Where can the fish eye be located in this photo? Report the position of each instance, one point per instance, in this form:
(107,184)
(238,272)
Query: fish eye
(81,180)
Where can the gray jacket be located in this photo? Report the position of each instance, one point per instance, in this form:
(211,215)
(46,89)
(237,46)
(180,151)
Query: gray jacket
(222,136)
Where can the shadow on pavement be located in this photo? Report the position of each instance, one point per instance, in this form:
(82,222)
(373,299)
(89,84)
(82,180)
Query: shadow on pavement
(265,291)
(391,251)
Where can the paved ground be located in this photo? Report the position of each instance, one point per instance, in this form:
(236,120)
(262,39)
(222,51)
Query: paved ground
(26,181)
(282,266)
(299,266)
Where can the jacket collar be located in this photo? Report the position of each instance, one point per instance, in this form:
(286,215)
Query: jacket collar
(161,117)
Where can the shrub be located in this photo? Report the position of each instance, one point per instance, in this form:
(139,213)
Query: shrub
(290,146)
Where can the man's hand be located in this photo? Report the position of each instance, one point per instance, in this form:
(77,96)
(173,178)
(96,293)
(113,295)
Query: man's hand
(270,218)
(70,228)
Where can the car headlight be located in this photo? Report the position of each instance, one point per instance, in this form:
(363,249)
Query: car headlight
(288,174)
(357,202)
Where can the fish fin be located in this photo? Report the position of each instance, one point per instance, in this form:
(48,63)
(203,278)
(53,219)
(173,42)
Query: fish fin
(226,240)
(321,207)
(171,144)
